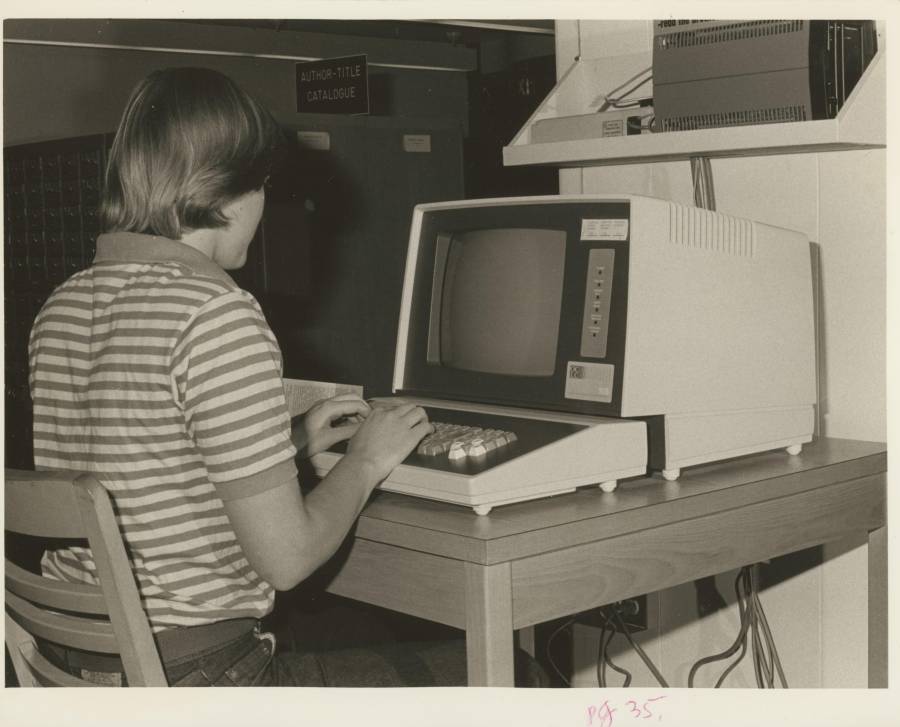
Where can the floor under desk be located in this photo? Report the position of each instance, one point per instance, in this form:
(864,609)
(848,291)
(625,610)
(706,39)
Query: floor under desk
(531,562)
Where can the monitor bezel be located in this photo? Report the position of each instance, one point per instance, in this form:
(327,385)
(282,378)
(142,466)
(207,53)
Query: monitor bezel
(415,376)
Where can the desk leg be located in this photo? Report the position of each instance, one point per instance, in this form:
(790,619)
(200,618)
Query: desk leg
(489,630)
(878,609)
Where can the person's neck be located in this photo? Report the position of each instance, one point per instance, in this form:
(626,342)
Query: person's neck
(203,239)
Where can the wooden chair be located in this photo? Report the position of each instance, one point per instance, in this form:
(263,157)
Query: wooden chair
(107,618)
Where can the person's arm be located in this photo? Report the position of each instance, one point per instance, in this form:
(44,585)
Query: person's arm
(226,371)
(327,422)
(286,537)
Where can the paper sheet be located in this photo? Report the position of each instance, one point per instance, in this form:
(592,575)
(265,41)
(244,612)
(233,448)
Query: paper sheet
(302,394)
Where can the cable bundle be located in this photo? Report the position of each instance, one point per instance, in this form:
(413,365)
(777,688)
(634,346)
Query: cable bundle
(754,626)
(619,102)
(701,174)
(566,624)
(614,623)
(754,630)
(603,657)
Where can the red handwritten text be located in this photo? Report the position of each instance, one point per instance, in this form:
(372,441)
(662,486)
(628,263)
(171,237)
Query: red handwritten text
(602,715)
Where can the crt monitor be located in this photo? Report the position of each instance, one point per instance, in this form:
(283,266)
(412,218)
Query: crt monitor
(502,299)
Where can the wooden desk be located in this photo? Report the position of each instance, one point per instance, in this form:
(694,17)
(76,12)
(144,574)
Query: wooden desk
(531,562)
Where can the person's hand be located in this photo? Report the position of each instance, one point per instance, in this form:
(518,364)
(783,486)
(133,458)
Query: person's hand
(328,422)
(387,436)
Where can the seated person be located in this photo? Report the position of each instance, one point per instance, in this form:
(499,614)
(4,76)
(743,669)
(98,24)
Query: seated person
(155,371)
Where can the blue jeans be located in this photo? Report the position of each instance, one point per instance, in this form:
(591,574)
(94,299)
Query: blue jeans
(240,663)
(416,664)
(252,661)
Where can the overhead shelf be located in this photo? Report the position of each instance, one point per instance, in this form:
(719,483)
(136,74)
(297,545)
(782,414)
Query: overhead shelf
(860,124)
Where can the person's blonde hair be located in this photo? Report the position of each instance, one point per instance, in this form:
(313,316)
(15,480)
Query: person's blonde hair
(190,141)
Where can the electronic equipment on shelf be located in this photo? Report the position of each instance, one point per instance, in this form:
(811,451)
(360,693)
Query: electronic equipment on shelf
(715,73)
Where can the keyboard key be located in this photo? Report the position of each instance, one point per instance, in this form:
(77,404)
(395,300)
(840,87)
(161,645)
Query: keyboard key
(459,441)
(476,448)
(456,452)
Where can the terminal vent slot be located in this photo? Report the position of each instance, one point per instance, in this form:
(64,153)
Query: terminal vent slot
(707,34)
(701,229)
(747,117)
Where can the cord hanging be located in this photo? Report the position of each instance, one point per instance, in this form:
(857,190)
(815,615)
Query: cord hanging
(550,639)
(615,101)
(637,647)
(604,658)
(754,629)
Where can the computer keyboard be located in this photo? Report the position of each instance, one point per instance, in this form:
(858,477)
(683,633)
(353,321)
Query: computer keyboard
(485,456)
(460,442)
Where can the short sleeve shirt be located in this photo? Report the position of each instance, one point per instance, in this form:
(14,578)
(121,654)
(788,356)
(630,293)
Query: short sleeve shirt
(155,371)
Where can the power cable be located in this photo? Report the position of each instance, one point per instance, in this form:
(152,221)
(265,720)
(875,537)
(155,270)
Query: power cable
(637,647)
(771,640)
(739,643)
(615,102)
(604,658)
(552,636)
(754,629)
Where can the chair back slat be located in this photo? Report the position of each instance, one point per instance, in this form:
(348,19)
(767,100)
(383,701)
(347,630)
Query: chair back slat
(48,675)
(68,505)
(32,669)
(56,595)
(17,639)
(60,628)
(115,573)
(41,504)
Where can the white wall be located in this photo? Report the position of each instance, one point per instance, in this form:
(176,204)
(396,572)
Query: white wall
(818,612)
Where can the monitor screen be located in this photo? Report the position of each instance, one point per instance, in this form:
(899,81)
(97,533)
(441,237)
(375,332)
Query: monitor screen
(516,301)
(501,299)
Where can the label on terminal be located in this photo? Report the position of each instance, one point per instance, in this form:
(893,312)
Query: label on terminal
(589,381)
(604,229)
(613,127)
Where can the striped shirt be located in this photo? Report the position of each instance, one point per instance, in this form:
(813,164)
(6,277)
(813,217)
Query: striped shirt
(153,370)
